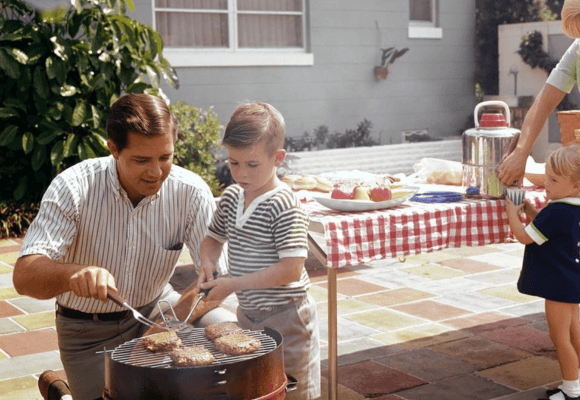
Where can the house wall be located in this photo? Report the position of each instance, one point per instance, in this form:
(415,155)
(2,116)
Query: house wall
(430,87)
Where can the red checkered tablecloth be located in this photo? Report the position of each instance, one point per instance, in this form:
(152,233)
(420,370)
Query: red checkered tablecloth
(412,228)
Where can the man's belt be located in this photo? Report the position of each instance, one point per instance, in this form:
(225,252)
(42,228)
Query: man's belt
(76,314)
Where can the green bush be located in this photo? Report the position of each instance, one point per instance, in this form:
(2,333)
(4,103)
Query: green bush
(59,74)
(198,141)
(323,139)
(15,218)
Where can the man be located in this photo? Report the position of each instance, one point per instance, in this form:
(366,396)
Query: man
(115,224)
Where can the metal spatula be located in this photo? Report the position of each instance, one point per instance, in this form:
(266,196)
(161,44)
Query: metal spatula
(119,300)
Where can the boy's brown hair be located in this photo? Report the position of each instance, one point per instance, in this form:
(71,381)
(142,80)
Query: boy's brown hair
(565,161)
(252,123)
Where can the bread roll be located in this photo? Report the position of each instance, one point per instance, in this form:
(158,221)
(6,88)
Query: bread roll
(305,182)
(323,184)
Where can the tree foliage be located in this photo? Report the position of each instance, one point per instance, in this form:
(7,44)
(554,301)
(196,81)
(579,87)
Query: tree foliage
(489,15)
(59,74)
(198,141)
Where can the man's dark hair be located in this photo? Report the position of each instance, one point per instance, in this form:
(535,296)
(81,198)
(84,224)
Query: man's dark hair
(142,114)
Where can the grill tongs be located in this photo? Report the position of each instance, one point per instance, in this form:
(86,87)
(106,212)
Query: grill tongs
(179,325)
(119,300)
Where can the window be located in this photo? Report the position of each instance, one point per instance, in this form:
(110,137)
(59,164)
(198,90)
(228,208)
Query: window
(232,32)
(423,20)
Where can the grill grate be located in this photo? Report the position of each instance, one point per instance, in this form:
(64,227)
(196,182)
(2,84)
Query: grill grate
(133,353)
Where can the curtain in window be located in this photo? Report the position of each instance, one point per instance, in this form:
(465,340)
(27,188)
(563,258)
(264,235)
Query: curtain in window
(421,10)
(205,23)
(193,29)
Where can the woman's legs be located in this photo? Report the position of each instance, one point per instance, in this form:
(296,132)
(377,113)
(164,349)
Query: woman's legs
(565,334)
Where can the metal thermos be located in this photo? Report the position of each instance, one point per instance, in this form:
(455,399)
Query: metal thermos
(483,149)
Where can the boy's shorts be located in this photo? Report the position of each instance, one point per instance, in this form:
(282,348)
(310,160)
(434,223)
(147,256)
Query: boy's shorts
(298,325)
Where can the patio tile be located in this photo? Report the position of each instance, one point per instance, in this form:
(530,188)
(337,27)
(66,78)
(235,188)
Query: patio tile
(436,256)
(525,374)
(497,277)
(8,310)
(5,269)
(8,293)
(451,286)
(469,266)
(349,306)
(433,271)
(533,308)
(19,344)
(505,261)
(357,350)
(372,379)
(396,296)
(6,280)
(354,287)
(342,392)
(7,242)
(427,365)
(20,389)
(469,251)
(320,294)
(431,310)
(507,292)
(9,258)
(31,306)
(488,321)
(475,302)
(36,321)
(394,279)
(347,330)
(419,337)
(384,320)
(523,337)
(464,387)
(9,326)
(532,394)
(16,367)
(480,351)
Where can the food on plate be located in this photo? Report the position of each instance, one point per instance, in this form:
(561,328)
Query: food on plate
(362,193)
(379,193)
(323,184)
(305,182)
(400,192)
(164,341)
(220,329)
(237,344)
(444,177)
(191,356)
(341,193)
(290,179)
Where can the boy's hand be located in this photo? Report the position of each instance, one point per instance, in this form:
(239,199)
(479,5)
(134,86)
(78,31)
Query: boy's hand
(511,208)
(221,288)
(206,274)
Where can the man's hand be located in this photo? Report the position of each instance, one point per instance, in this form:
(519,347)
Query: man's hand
(92,282)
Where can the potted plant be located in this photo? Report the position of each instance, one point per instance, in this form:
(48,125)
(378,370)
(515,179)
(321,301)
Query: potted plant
(387,59)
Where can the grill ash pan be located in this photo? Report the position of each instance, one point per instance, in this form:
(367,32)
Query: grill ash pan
(133,373)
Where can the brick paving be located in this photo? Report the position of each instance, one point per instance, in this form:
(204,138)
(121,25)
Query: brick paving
(440,326)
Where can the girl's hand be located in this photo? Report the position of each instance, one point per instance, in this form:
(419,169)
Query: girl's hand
(511,208)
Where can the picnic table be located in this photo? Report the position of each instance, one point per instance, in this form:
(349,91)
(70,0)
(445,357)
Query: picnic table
(342,239)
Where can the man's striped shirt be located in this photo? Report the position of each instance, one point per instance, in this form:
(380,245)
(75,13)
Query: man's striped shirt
(274,226)
(86,218)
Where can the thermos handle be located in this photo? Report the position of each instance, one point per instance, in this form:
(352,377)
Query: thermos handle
(492,103)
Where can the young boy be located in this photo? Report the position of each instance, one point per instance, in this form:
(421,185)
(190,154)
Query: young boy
(266,230)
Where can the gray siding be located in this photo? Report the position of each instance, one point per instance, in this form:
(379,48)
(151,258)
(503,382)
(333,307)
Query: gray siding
(431,87)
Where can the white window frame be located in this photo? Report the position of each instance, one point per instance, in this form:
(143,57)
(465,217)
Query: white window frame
(425,29)
(234,56)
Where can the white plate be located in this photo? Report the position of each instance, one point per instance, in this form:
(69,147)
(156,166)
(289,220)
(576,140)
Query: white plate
(361,205)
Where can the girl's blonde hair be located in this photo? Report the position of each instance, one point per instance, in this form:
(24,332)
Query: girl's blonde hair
(566,161)
(251,123)
(571,18)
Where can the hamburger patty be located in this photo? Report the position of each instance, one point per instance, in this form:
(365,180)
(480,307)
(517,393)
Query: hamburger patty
(164,341)
(191,356)
(215,331)
(237,344)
